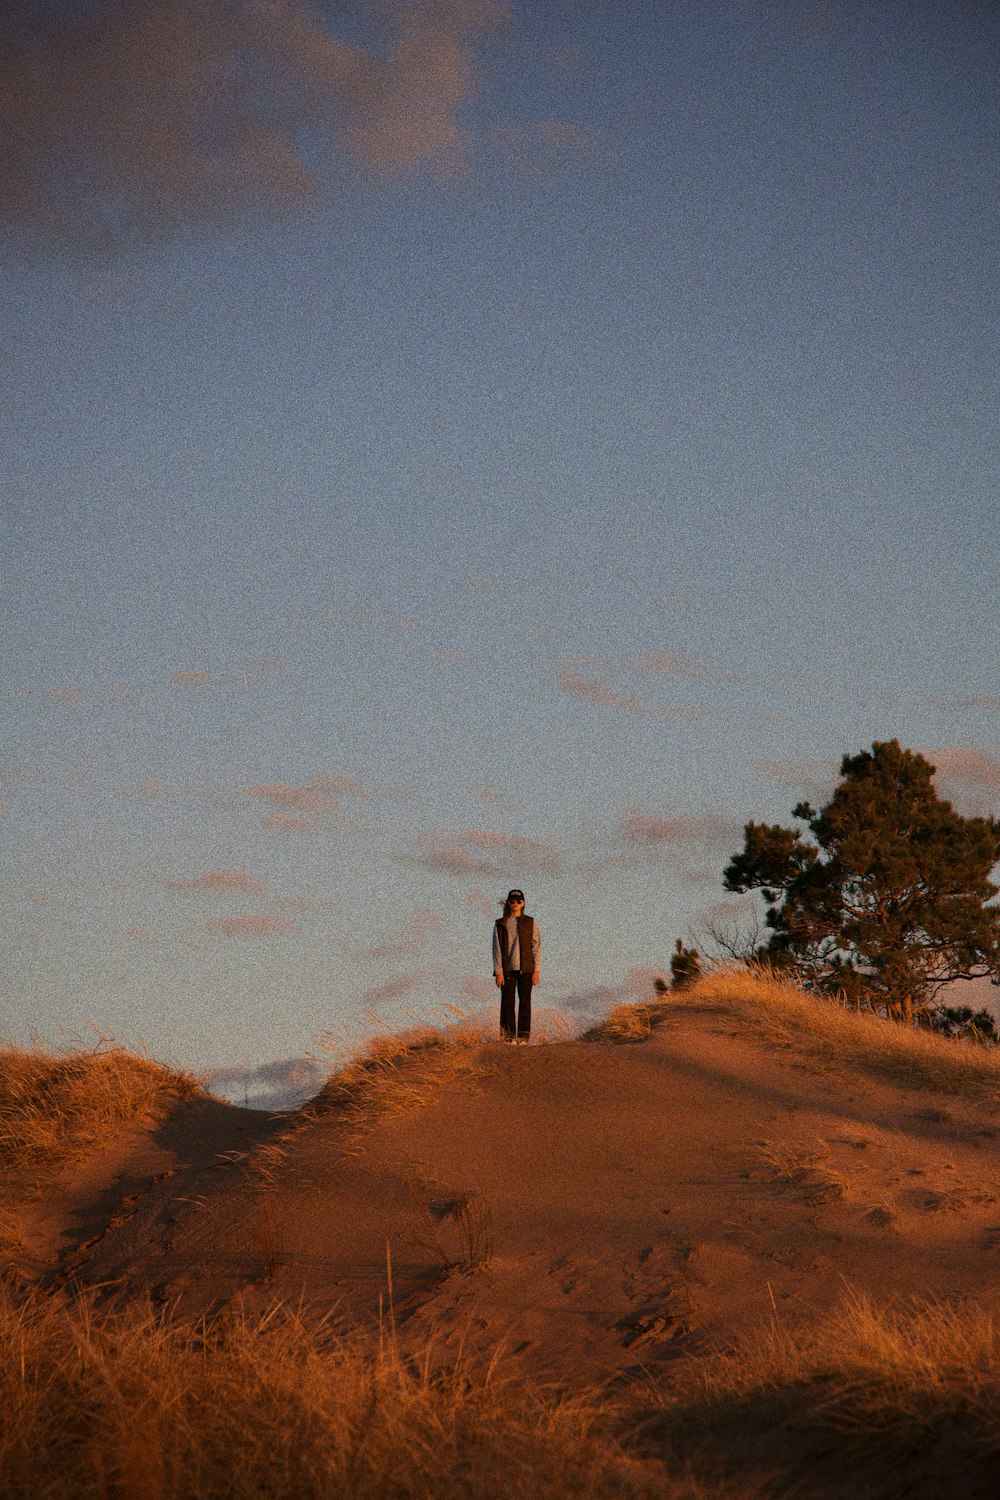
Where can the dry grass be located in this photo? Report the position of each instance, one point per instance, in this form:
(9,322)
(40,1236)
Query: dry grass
(140,1408)
(898,1384)
(390,1074)
(56,1108)
(834,1034)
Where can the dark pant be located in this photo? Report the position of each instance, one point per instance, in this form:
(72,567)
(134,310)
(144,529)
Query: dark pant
(521,984)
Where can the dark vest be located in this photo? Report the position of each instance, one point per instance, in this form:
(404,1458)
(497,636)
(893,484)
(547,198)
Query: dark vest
(525,934)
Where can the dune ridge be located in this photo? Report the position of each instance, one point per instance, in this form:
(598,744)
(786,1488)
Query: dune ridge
(732,1241)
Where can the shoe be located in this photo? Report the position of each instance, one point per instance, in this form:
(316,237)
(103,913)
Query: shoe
(522,1041)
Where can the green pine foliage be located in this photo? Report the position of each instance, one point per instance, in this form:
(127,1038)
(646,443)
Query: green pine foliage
(890,898)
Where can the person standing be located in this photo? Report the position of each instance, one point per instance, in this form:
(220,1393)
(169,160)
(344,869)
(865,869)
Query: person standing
(517,953)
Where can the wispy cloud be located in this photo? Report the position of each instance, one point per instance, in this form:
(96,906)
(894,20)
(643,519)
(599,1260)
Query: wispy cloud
(409,940)
(477,852)
(253,671)
(366,619)
(494,798)
(312,805)
(215,882)
(816,778)
(480,902)
(393,989)
(251,924)
(598,690)
(969,701)
(642,827)
(540,146)
(682,664)
(286,1083)
(124,121)
(602,692)
(968,778)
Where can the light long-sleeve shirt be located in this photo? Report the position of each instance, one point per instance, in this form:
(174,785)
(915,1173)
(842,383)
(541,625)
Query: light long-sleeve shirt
(514,948)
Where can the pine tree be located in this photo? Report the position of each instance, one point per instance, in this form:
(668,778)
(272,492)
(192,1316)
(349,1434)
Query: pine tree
(890,897)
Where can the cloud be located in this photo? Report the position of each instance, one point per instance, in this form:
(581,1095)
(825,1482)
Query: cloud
(212,882)
(476,852)
(970,700)
(314,804)
(495,799)
(251,925)
(152,786)
(480,902)
(410,939)
(393,989)
(817,778)
(968,778)
(306,903)
(641,827)
(286,1083)
(72,694)
(682,664)
(4,809)
(637,985)
(41,898)
(364,619)
(139,932)
(124,121)
(597,691)
(253,671)
(542,145)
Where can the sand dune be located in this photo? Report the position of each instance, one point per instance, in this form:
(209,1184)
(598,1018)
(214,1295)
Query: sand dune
(688,1181)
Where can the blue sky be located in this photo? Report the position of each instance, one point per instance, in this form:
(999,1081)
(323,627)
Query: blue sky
(449,445)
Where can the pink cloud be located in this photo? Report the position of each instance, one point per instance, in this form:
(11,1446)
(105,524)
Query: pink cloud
(970,700)
(480,902)
(139,932)
(4,809)
(306,903)
(40,898)
(251,925)
(410,939)
(968,778)
(495,799)
(817,778)
(307,807)
(191,679)
(72,694)
(597,691)
(283,1084)
(126,121)
(478,852)
(680,664)
(239,881)
(641,827)
(393,989)
(541,145)
(365,619)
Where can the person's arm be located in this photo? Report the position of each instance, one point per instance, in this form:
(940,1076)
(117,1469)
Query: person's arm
(536,951)
(497,958)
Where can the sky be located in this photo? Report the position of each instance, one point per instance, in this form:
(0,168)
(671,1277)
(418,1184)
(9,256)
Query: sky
(450,444)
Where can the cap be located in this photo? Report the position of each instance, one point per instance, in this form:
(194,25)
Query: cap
(515,895)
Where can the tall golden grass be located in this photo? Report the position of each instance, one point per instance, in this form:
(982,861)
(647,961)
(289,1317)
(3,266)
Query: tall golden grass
(917,1385)
(136,1407)
(783,1014)
(56,1108)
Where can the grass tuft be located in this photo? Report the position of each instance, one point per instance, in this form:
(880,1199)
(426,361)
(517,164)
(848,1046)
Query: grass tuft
(58,1108)
(834,1033)
(127,1405)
